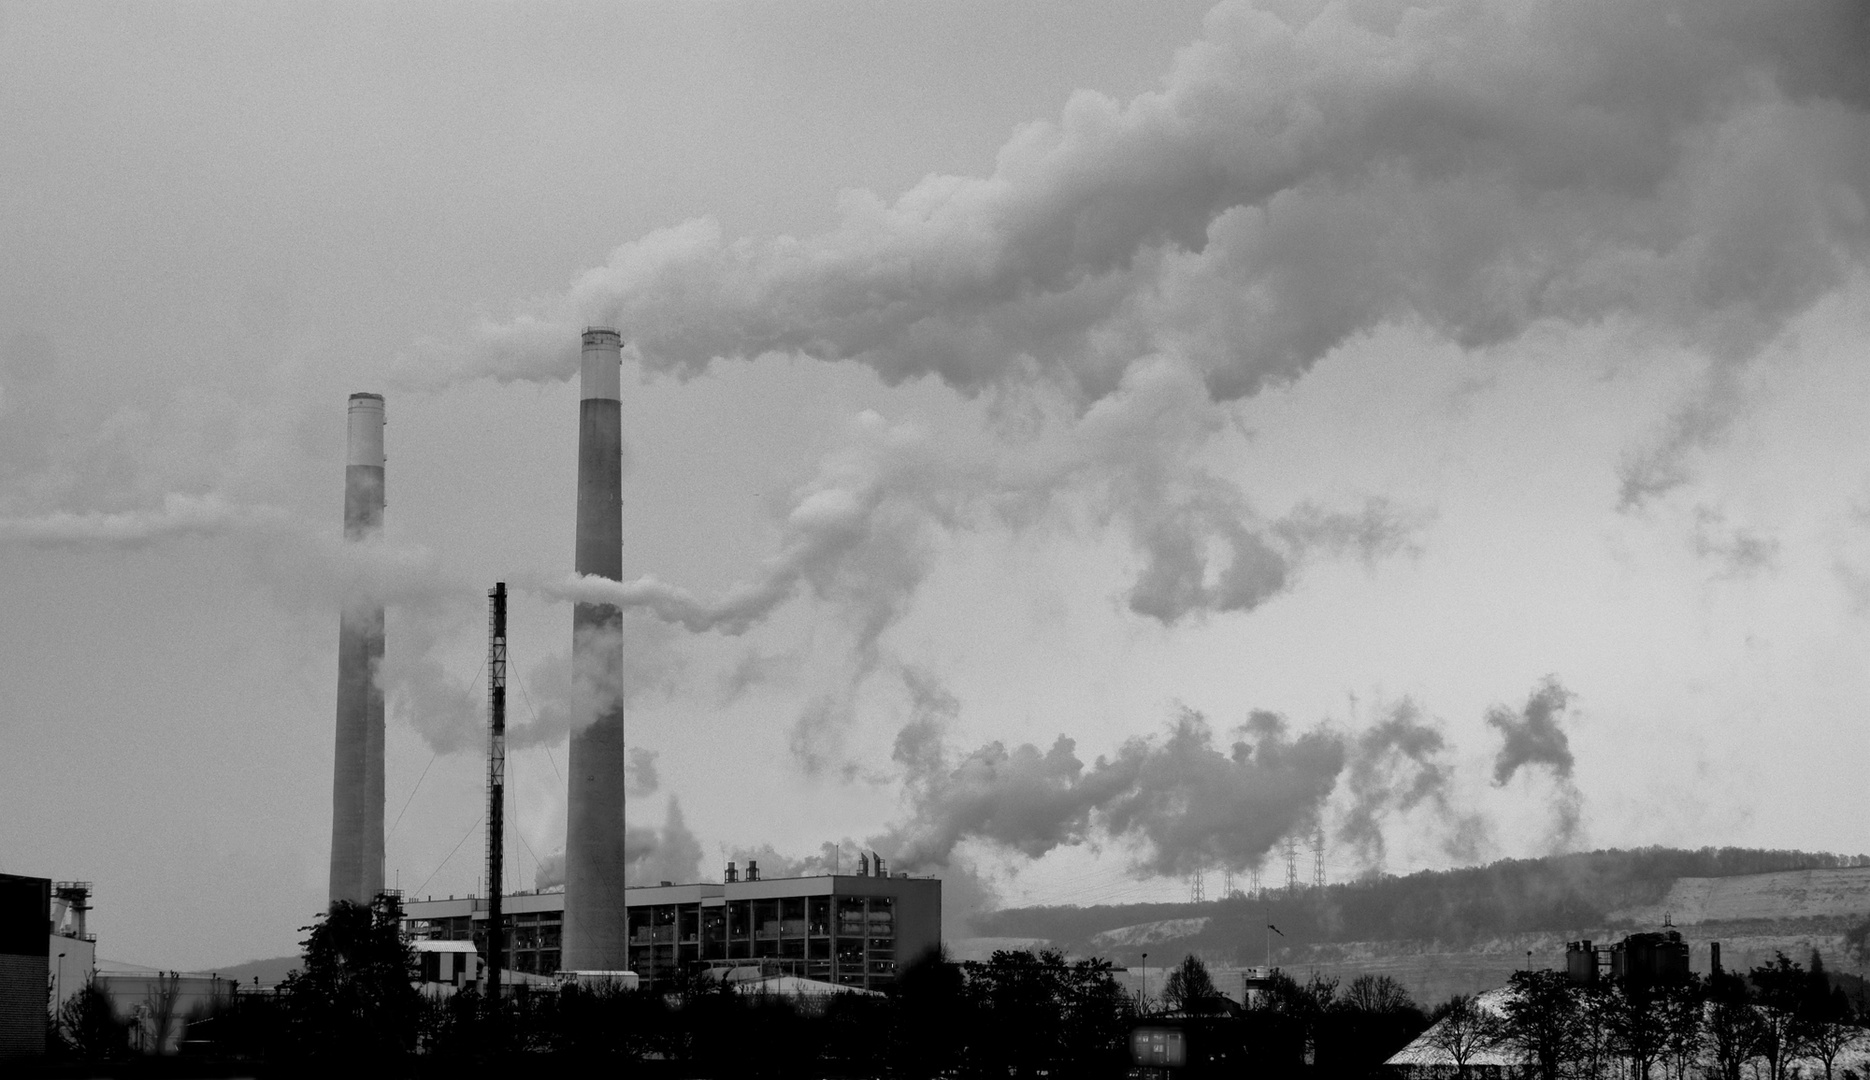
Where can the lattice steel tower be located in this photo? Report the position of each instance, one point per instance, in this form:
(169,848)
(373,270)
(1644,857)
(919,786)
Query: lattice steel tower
(496,782)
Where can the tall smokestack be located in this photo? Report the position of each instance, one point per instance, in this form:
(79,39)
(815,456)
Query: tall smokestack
(357,767)
(594,933)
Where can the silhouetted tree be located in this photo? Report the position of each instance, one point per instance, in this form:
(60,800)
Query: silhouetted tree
(1463,1030)
(1188,984)
(1638,1026)
(1733,1024)
(352,998)
(87,1026)
(1826,1026)
(932,1017)
(1284,1020)
(1680,1008)
(1542,1021)
(1371,1018)
(1780,991)
(1036,1012)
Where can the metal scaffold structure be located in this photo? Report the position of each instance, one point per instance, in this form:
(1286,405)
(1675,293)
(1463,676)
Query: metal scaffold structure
(496,781)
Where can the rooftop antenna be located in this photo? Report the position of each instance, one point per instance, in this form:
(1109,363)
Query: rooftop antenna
(496,781)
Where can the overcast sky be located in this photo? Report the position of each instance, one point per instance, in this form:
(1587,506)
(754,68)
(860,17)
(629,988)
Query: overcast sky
(1438,428)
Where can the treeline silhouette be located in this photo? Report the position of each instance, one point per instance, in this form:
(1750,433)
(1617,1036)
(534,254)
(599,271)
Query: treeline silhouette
(1451,906)
(352,1007)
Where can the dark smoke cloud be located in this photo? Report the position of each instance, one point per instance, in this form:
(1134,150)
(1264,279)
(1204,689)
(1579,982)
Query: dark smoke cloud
(1737,551)
(1397,766)
(1532,737)
(1181,801)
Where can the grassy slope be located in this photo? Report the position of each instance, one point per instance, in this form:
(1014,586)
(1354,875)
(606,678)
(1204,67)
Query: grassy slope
(1456,908)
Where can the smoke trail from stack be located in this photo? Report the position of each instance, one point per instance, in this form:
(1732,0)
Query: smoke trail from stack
(1305,175)
(1531,737)
(596,861)
(1182,802)
(357,766)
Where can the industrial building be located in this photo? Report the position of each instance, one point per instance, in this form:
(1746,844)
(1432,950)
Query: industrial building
(850,930)
(1639,960)
(25,917)
(856,930)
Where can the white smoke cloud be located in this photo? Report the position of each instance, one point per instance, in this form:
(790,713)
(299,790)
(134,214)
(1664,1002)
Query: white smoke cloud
(1305,174)
(651,854)
(179,516)
(1398,765)
(1181,802)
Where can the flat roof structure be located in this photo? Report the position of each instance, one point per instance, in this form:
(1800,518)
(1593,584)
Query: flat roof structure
(849,929)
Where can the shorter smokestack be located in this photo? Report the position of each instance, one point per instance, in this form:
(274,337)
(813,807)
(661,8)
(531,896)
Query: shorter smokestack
(1714,958)
(732,874)
(753,870)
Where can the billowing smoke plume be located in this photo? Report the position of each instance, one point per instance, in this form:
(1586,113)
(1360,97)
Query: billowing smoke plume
(1304,175)
(1532,737)
(640,777)
(539,709)
(671,853)
(859,533)
(1180,801)
(1395,767)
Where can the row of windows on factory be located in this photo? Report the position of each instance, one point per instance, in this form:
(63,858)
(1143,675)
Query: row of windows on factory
(777,919)
(848,940)
(532,943)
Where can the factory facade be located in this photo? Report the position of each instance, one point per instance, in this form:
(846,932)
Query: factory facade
(848,929)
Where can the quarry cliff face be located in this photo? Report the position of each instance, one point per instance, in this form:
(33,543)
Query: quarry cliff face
(1752,916)
(1841,892)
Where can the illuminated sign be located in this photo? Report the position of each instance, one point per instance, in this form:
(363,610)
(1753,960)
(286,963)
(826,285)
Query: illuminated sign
(1158,1046)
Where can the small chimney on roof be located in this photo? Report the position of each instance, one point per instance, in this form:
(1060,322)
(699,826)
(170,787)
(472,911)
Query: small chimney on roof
(753,870)
(863,865)
(877,861)
(732,873)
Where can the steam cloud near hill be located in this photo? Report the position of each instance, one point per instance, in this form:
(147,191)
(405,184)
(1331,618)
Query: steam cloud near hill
(1178,800)
(1531,737)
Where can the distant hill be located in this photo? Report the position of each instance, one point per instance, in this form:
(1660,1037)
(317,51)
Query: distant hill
(1458,908)
(1461,931)
(269,972)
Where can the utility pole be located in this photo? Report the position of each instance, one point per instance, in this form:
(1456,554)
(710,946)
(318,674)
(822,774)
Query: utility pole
(1292,866)
(496,782)
(1318,859)
(1197,887)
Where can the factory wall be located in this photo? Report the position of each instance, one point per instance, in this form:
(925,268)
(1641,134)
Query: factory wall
(849,929)
(25,918)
